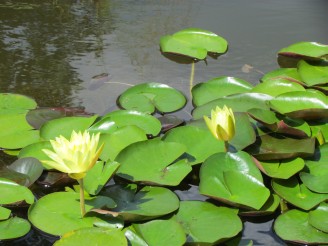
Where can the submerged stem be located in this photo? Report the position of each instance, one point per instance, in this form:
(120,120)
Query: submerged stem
(82,203)
(192,75)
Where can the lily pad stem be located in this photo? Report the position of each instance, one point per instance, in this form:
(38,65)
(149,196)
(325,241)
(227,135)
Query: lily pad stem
(82,203)
(192,75)
(226,146)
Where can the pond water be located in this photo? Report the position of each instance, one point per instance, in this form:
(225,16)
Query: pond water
(84,53)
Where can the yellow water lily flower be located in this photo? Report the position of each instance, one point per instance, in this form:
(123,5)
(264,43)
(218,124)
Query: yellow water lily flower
(222,123)
(75,156)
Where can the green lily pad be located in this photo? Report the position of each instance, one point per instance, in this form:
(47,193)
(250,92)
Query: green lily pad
(151,96)
(233,178)
(65,126)
(14,227)
(19,139)
(98,176)
(269,207)
(298,104)
(118,140)
(297,194)
(144,204)
(313,73)
(112,121)
(282,169)
(271,148)
(4,213)
(156,161)
(194,43)
(63,210)
(35,150)
(294,226)
(12,192)
(90,236)
(133,237)
(207,224)
(199,142)
(161,232)
(218,87)
(318,217)
(277,86)
(305,49)
(290,74)
(238,103)
(9,101)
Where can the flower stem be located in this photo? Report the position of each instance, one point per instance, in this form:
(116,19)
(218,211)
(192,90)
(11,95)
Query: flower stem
(82,203)
(192,75)
(226,146)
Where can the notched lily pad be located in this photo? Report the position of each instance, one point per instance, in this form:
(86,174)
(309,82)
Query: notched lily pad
(14,227)
(151,96)
(318,217)
(12,192)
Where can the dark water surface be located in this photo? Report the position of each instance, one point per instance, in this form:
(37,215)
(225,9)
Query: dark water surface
(84,53)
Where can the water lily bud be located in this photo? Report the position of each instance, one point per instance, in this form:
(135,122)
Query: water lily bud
(222,123)
(75,156)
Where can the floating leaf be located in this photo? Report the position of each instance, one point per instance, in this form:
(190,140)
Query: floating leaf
(4,213)
(305,49)
(156,161)
(218,87)
(294,226)
(318,217)
(297,194)
(13,228)
(144,204)
(313,73)
(269,207)
(9,101)
(290,74)
(12,192)
(205,223)
(161,232)
(233,178)
(194,43)
(151,96)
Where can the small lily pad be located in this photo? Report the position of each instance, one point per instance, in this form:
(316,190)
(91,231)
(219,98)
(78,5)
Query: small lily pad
(14,227)
(294,226)
(318,217)
(290,74)
(4,213)
(12,192)
(151,96)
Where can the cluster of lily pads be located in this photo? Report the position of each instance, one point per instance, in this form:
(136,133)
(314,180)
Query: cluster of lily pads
(277,159)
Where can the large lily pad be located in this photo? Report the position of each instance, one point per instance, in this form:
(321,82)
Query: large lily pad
(12,192)
(161,232)
(294,226)
(13,228)
(297,194)
(313,73)
(63,210)
(238,103)
(156,162)
(144,204)
(233,178)
(207,224)
(65,126)
(199,141)
(112,121)
(92,236)
(305,49)
(151,96)
(218,87)
(318,217)
(194,43)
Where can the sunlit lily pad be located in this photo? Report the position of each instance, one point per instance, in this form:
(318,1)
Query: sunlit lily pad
(161,232)
(281,169)
(233,178)
(238,103)
(14,227)
(112,121)
(294,226)
(269,207)
(151,96)
(133,237)
(4,213)
(144,204)
(194,43)
(156,162)
(65,126)
(12,192)
(35,150)
(9,101)
(305,49)
(218,87)
(290,74)
(313,73)
(297,194)
(199,141)
(205,223)
(63,210)
(91,236)
(318,217)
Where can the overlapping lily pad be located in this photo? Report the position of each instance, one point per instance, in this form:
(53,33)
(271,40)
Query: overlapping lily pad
(318,217)
(13,228)
(151,96)
(12,192)
(290,74)
(313,74)
(233,178)
(218,87)
(156,162)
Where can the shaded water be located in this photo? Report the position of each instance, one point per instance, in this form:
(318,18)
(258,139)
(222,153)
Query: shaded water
(53,50)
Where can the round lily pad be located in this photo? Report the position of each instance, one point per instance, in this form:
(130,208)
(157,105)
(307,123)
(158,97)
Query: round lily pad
(13,228)
(12,192)
(9,101)
(151,96)
(318,217)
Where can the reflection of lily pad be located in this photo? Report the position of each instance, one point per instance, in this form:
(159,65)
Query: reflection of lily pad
(294,226)
(148,97)
(233,178)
